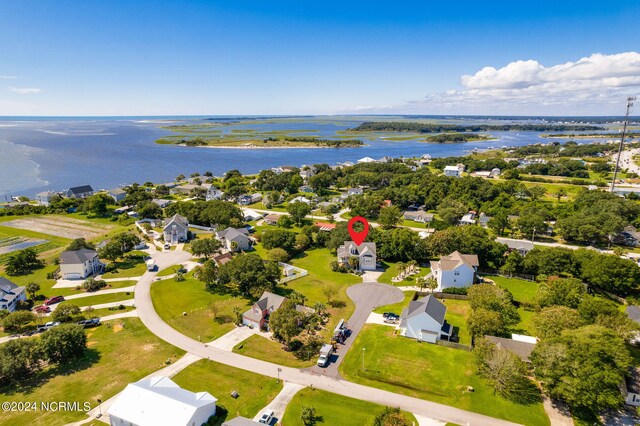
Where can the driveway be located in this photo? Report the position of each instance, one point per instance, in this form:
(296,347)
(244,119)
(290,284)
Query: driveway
(280,402)
(157,326)
(227,341)
(366,296)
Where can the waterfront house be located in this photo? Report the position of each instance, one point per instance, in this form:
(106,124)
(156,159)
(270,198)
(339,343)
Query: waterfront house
(83,191)
(44,198)
(213,193)
(452,171)
(118,194)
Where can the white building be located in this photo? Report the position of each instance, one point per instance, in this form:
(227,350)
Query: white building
(300,199)
(176,230)
(365,252)
(424,320)
(213,193)
(79,264)
(455,270)
(10,294)
(367,160)
(118,194)
(44,198)
(452,171)
(159,401)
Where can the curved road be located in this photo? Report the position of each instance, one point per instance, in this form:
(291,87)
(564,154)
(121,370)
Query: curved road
(156,325)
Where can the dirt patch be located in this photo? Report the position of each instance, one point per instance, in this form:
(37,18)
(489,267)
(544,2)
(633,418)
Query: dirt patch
(149,347)
(117,328)
(60,227)
(91,343)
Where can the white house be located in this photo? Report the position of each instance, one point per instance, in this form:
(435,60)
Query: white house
(367,160)
(455,270)
(300,199)
(419,216)
(159,401)
(176,229)
(118,194)
(10,294)
(79,264)
(245,200)
(44,198)
(239,236)
(424,320)
(452,171)
(213,193)
(355,191)
(250,215)
(365,252)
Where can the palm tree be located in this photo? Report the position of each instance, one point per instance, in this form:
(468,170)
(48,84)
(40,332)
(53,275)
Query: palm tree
(353,262)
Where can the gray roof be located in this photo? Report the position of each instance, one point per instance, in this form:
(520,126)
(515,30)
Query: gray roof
(345,249)
(9,290)
(455,259)
(270,301)
(117,191)
(240,421)
(521,349)
(633,312)
(81,189)
(429,304)
(232,233)
(78,256)
(177,219)
(516,244)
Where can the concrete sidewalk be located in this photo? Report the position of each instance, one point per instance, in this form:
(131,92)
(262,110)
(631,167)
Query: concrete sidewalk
(99,292)
(232,338)
(129,302)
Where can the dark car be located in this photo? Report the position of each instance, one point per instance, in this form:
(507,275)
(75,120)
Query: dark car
(54,300)
(93,322)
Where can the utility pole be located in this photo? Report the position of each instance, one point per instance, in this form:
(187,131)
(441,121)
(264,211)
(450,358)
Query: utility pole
(630,101)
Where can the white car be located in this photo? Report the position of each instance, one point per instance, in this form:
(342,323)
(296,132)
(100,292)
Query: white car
(266,417)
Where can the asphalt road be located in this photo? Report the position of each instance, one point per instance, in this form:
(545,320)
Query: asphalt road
(366,296)
(156,325)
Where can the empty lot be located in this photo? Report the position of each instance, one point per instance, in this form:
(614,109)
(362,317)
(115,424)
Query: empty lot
(60,227)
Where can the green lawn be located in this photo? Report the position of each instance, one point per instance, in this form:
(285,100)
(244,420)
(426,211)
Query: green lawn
(430,372)
(457,313)
(269,350)
(108,366)
(171,298)
(391,271)
(523,291)
(101,298)
(134,267)
(99,313)
(396,308)
(220,380)
(334,409)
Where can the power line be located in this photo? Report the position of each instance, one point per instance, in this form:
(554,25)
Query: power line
(630,101)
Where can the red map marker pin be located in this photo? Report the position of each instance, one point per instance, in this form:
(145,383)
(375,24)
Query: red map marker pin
(358,237)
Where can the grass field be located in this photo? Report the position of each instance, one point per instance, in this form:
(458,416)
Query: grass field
(396,308)
(101,298)
(391,271)
(108,366)
(334,409)
(430,372)
(269,350)
(171,298)
(523,291)
(457,313)
(220,380)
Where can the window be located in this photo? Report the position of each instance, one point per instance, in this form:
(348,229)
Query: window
(456,273)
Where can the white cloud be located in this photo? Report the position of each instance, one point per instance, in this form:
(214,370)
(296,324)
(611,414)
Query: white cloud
(594,85)
(8,77)
(25,90)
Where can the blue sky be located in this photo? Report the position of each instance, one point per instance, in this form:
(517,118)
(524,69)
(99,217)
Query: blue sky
(256,57)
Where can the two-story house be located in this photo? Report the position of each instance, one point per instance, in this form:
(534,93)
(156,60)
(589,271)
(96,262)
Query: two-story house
(79,264)
(455,270)
(176,230)
(258,315)
(365,252)
(10,294)
(235,239)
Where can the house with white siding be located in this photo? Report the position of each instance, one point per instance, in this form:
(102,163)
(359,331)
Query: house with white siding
(455,270)
(423,320)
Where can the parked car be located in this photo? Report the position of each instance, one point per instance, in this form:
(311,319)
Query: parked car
(54,300)
(42,309)
(51,324)
(167,246)
(267,417)
(93,322)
